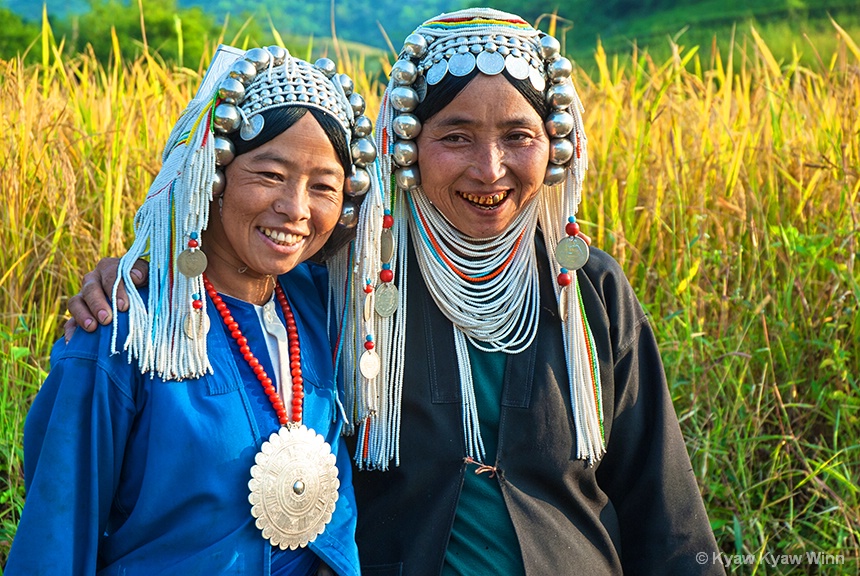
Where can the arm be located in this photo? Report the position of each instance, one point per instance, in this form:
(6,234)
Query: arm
(74,440)
(647,471)
(90,307)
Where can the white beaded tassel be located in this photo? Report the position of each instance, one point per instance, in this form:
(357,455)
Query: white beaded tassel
(177,204)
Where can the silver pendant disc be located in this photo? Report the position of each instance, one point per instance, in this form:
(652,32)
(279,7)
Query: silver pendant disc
(293,487)
(196,324)
(191,263)
(387,298)
(386,246)
(572,252)
(562,304)
(369,364)
(490,63)
(461,64)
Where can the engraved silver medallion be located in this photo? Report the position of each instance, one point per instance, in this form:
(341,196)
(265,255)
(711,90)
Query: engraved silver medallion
(387,297)
(369,364)
(461,64)
(572,252)
(293,487)
(436,72)
(368,305)
(191,263)
(490,63)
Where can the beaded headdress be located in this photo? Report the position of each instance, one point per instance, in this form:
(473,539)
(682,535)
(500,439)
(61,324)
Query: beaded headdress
(167,334)
(457,44)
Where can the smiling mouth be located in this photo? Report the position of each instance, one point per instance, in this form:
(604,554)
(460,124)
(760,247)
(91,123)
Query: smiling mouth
(485,202)
(281,238)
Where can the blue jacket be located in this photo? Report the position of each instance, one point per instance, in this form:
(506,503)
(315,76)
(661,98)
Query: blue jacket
(127,474)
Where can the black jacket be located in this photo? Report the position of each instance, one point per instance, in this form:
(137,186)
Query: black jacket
(638,510)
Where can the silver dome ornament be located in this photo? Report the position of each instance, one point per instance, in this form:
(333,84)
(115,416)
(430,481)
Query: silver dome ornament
(259,57)
(405,153)
(363,127)
(226,118)
(406,126)
(363,152)
(559,69)
(218,183)
(403,99)
(224,151)
(560,151)
(415,46)
(407,178)
(549,47)
(357,103)
(404,72)
(243,71)
(558,124)
(358,182)
(555,175)
(326,66)
(231,90)
(348,214)
(347,84)
(560,96)
(279,55)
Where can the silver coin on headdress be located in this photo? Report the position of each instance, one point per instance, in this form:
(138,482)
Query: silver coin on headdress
(252,128)
(517,67)
(490,63)
(436,72)
(461,64)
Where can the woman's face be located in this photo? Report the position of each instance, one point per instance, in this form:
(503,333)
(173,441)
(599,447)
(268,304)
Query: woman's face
(281,202)
(483,157)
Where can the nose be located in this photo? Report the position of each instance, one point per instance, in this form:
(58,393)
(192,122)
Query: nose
(294,202)
(489,163)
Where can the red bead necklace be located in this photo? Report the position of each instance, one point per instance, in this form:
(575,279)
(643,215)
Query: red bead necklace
(295,353)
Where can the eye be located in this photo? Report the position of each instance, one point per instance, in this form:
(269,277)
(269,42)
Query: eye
(274,176)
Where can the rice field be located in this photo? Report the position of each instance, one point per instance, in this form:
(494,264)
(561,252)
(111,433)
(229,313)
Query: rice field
(725,181)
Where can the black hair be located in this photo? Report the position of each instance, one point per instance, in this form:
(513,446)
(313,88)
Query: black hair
(441,94)
(277,120)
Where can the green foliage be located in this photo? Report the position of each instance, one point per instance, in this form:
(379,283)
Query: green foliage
(17,35)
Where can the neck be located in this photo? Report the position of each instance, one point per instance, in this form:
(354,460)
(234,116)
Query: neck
(235,279)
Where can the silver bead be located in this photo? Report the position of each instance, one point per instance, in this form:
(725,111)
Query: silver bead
(348,215)
(404,72)
(405,152)
(555,175)
(231,90)
(279,55)
(218,183)
(403,99)
(226,118)
(326,66)
(560,151)
(363,127)
(415,46)
(363,152)
(560,96)
(224,151)
(357,103)
(559,69)
(358,183)
(558,124)
(406,126)
(407,178)
(259,57)
(347,84)
(243,71)
(549,47)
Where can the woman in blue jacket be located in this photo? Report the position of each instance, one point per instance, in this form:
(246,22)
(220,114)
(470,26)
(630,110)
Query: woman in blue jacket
(200,434)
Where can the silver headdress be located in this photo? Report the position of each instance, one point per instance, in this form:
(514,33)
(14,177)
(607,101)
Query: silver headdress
(457,44)
(167,335)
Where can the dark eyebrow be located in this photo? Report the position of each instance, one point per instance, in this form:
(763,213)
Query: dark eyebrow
(514,122)
(274,156)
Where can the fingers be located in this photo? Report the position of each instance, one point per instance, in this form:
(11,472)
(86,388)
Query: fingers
(69,329)
(92,306)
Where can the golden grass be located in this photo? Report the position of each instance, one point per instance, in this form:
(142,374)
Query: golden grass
(728,190)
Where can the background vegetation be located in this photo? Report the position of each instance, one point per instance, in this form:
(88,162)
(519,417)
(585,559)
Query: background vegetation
(724,178)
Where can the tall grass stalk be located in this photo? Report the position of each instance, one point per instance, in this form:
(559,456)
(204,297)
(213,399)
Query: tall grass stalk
(727,188)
